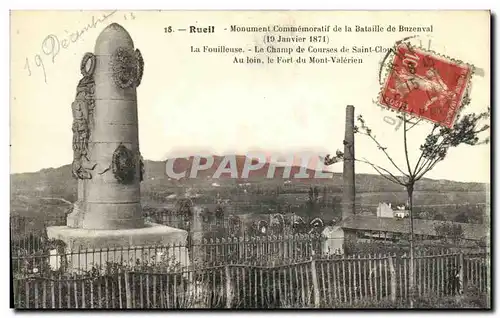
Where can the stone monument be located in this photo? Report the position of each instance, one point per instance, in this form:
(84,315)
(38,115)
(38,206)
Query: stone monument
(106,159)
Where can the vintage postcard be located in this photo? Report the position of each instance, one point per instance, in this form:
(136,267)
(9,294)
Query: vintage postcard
(250,159)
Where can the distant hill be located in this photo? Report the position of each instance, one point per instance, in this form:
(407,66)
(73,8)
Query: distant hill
(58,182)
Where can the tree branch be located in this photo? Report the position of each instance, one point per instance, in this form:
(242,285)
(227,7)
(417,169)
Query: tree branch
(377,168)
(424,163)
(384,150)
(429,168)
(410,175)
(414,124)
(422,152)
(431,156)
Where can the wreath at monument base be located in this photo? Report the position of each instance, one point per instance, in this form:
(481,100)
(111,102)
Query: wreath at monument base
(123,165)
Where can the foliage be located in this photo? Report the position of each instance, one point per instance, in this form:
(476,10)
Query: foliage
(377,247)
(470,299)
(450,231)
(439,217)
(461,218)
(27,262)
(462,213)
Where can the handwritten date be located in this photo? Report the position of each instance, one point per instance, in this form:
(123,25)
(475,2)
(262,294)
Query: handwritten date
(52,45)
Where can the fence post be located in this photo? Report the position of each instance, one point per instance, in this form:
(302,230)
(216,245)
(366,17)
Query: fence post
(460,273)
(128,294)
(315,282)
(393,278)
(488,279)
(229,292)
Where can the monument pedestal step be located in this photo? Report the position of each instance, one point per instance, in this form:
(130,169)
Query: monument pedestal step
(95,248)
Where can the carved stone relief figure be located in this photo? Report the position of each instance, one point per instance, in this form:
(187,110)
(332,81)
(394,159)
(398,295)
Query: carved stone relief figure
(83,110)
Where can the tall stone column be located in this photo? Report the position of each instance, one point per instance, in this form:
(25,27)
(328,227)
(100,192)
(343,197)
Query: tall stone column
(349,187)
(113,197)
(106,158)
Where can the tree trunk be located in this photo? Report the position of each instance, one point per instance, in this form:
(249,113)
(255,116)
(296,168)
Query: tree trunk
(412,251)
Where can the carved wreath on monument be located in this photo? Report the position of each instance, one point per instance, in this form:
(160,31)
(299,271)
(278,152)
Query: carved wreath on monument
(123,164)
(127,67)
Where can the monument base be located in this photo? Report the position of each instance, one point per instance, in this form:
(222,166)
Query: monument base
(87,249)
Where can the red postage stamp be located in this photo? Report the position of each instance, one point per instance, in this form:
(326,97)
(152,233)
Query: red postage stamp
(425,85)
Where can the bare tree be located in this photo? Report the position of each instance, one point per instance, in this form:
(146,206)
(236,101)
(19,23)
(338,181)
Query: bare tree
(466,130)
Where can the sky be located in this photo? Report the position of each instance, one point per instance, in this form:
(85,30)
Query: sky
(194,102)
